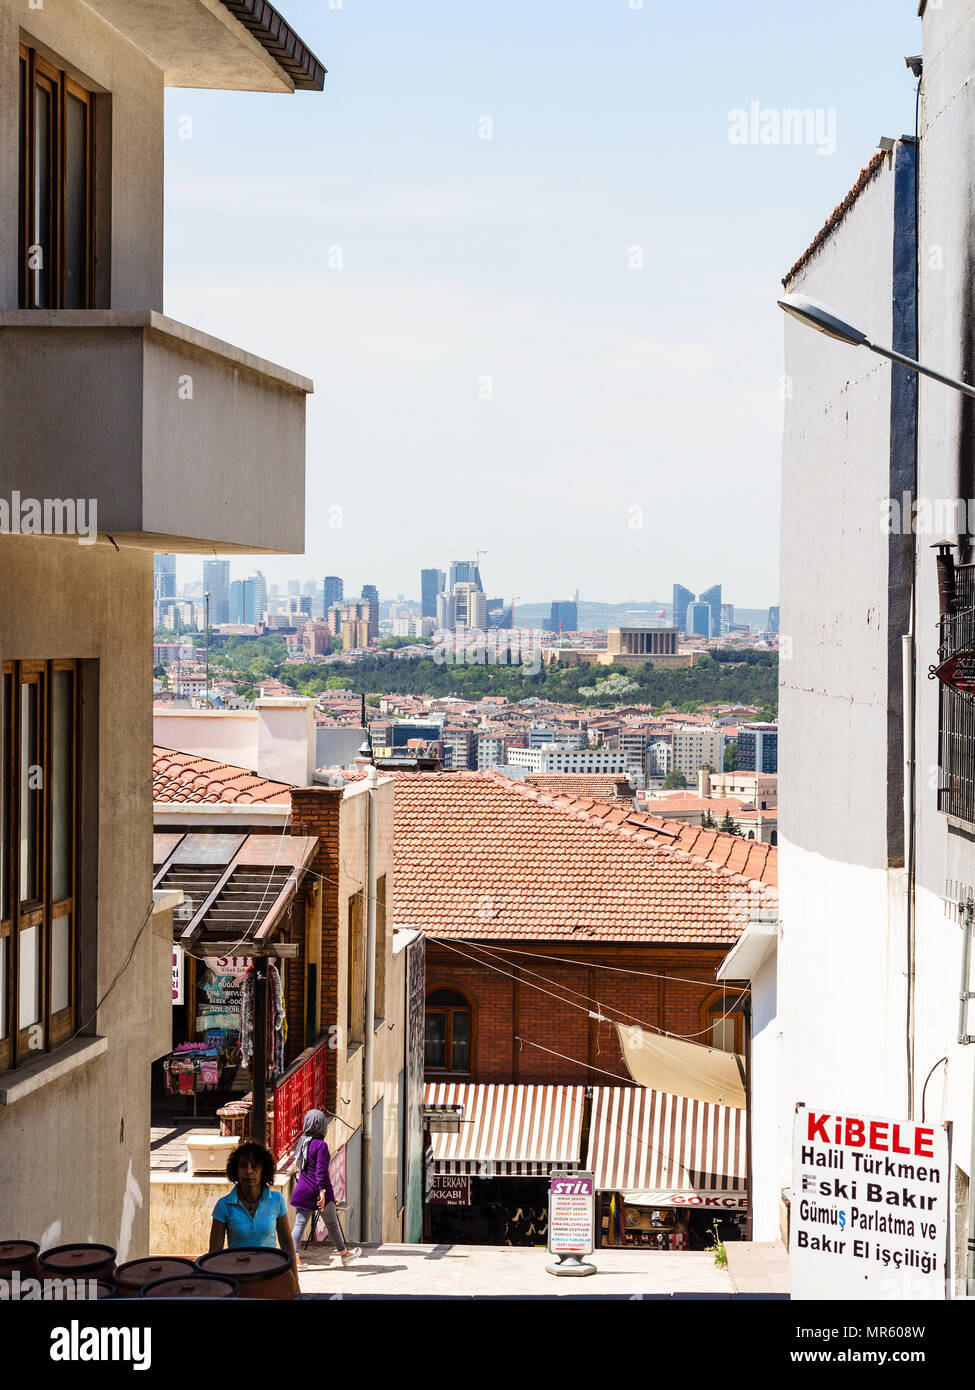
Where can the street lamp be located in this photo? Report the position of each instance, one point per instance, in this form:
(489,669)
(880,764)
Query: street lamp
(824,320)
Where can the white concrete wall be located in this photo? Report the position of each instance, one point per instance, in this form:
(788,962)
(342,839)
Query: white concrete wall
(768,1115)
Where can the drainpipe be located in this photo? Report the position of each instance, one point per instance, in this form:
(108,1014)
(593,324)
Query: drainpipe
(907,647)
(965,1039)
(372,782)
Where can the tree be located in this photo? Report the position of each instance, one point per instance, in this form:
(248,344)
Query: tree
(708,822)
(728,825)
(705,767)
(675,781)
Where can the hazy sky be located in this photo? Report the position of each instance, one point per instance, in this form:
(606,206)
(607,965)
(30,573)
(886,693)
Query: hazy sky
(493,367)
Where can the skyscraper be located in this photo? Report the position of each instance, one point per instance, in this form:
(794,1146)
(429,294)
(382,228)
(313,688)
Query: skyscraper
(163,577)
(466,572)
(699,620)
(332,591)
(773,619)
(712,597)
(370,593)
(431,584)
(564,617)
(216,583)
(682,597)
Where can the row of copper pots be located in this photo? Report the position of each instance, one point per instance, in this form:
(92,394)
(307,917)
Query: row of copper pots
(249,1272)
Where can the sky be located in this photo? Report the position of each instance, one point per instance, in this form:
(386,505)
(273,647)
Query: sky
(529,255)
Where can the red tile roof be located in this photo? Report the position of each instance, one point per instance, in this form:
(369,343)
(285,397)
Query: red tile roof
(482,857)
(606,788)
(181,777)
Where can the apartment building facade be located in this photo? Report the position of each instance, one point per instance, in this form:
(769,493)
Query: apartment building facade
(166,440)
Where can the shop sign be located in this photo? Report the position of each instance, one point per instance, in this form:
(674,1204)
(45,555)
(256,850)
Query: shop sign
(450,1190)
(177,973)
(697,1200)
(958,672)
(869,1207)
(571,1213)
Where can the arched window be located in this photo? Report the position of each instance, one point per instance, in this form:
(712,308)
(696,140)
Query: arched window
(447,1037)
(723,1021)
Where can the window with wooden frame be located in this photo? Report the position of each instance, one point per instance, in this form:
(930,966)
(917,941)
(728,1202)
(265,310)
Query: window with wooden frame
(39,783)
(447,1032)
(723,1022)
(57,187)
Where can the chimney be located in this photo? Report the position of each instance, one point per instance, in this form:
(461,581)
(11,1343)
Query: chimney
(703,783)
(286,740)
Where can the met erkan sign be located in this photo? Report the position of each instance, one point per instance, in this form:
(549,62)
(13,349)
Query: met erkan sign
(869,1211)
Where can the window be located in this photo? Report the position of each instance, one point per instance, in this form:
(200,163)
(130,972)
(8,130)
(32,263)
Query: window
(356,971)
(447,1045)
(39,721)
(57,187)
(724,1022)
(956,715)
(380,988)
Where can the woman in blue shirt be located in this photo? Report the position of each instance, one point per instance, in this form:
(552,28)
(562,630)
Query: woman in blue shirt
(254,1213)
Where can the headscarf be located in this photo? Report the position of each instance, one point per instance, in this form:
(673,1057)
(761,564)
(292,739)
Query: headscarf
(314,1128)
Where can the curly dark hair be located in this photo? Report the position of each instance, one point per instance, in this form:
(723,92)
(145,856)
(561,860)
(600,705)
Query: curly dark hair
(259,1154)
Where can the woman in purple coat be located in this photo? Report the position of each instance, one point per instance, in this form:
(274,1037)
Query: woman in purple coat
(313,1188)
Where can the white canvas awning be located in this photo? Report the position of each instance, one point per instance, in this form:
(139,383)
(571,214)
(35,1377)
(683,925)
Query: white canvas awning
(509,1131)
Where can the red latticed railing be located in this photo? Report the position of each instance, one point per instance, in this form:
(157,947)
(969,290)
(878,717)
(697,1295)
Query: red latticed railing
(300,1089)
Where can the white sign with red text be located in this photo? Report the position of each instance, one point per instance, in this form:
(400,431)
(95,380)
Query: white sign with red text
(571,1213)
(869,1210)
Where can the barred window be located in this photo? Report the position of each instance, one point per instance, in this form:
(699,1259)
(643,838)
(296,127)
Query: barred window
(956,715)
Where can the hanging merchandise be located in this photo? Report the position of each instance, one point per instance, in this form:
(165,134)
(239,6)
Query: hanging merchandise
(277,1023)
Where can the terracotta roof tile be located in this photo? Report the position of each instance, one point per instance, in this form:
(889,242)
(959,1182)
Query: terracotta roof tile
(480,856)
(185,777)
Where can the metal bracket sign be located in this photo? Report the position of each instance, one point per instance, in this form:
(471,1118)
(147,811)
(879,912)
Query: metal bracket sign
(572,1213)
(958,672)
(869,1209)
(177,973)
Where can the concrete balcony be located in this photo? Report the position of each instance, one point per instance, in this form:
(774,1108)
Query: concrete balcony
(183,442)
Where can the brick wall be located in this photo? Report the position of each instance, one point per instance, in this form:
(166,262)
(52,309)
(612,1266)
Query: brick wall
(505,1009)
(315,811)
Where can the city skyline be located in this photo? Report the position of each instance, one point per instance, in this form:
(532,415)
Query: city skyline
(561,311)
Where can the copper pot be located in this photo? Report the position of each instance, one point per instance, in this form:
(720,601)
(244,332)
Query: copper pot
(192,1285)
(78,1262)
(135,1274)
(18,1255)
(261,1271)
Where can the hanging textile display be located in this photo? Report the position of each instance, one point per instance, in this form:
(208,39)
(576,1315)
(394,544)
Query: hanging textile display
(277,1024)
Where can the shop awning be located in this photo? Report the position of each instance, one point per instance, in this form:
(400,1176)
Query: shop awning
(689,1152)
(684,1068)
(236,887)
(509,1131)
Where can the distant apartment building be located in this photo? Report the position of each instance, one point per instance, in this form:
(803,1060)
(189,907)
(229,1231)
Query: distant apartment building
(539,734)
(470,607)
(758,748)
(432,583)
(660,755)
(493,748)
(459,748)
(412,626)
(632,743)
(248,599)
(316,640)
(331,591)
(694,745)
(555,757)
(727,618)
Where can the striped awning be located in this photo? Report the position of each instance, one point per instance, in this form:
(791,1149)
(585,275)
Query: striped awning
(641,1139)
(509,1131)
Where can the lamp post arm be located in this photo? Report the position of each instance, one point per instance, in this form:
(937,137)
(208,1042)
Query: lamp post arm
(918,367)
